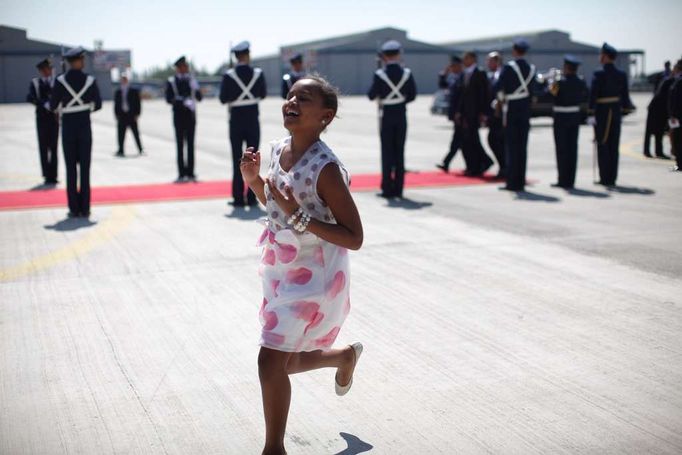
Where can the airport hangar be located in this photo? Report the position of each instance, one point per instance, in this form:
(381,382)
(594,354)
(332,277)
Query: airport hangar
(349,61)
(19,56)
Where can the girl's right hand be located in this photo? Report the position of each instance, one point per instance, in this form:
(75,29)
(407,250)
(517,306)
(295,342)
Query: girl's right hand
(250,165)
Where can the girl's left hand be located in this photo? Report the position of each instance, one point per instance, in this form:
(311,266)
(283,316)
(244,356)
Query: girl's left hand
(286,201)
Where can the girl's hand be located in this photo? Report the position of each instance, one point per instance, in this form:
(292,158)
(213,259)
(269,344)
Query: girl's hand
(286,202)
(250,165)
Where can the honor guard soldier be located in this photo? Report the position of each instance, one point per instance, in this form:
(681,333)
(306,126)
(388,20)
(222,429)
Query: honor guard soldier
(242,89)
(609,98)
(675,113)
(394,86)
(47,122)
(495,127)
(182,91)
(296,73)
(513,90)
(75,95)
(569,92)
(450,79)
(127,108)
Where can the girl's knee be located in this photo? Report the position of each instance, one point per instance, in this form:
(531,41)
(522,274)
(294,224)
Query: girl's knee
(271,362)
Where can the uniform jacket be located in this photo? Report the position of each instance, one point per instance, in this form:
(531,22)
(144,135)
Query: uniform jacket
(230,91)
(184,91)
(76,79)
(379,89)
(39,99)
(610,82)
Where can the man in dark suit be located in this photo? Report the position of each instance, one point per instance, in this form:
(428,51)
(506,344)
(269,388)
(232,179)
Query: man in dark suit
(513,90)
(495,127)
(127,108)
(569,92)
(450,79)
(474,104)
(394,86)
(675,112)
(47,122)
(609,98)
(183,93)
(242,88)
(296,72)
(657,118)
(75,95)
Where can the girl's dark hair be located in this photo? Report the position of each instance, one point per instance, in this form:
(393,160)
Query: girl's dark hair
(329,93)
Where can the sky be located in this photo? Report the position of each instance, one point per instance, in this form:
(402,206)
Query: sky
(158,32)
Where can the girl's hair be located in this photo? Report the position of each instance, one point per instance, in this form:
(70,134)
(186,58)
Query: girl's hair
(329,93)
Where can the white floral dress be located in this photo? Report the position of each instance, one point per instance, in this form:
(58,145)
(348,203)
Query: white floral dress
(305,279)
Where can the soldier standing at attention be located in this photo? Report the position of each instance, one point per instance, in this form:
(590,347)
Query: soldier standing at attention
(609,97)
(513,91)
(675,112)
(242,89)
(182,91)
(75,95)
(450,79)
(569,92)
(395,87)
(495,128)
(296,73)
(127,108)
(47,122)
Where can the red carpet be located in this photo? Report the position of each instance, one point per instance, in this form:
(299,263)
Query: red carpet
(207,190)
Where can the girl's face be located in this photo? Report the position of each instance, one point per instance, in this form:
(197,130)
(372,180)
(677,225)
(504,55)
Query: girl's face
(303,110)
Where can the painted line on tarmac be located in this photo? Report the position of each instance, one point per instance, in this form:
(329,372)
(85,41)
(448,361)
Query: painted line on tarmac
(121,217)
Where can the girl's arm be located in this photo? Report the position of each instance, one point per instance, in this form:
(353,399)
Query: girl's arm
(250,167)
(347,232)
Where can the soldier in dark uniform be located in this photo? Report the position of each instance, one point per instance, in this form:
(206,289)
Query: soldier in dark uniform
(675,112)
(394,86)
(472,110)
(296,72)
(495,127)
(242,89)
(47,122)
(450,79)
(75,95)
(569,92)
(609,98)
(182,91)
(127,108)
(513,90)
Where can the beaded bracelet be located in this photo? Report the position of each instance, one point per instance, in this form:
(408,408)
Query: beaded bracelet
(294,215)
(302,223)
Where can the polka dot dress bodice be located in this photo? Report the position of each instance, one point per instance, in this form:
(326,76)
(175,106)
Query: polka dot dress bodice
(305,279)
(302,178)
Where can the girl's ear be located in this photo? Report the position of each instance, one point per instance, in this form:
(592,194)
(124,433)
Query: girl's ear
(328,117)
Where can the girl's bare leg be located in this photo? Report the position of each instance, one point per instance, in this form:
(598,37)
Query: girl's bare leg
(342,359)
(276,390)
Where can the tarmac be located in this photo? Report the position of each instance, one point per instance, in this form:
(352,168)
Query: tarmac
(545,322)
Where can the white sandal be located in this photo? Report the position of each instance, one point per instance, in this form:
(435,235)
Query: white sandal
(343,389)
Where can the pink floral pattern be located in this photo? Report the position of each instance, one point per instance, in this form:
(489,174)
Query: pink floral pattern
(305,279)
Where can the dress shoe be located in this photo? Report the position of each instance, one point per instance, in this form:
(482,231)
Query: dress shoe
(236,203)
(443,168)
(647,154)
(72,215)
(385,195)
(119,154)
(663,156)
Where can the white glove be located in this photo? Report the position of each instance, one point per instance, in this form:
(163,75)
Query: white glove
(194,85)
(189,103)
(591,120)
(46,105)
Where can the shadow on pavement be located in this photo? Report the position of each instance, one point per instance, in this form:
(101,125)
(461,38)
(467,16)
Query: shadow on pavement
(408,204)
(247,214)
(44,187)
(587,193)
(71,224)
(355,445)
(536,197)
(631,190)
